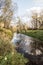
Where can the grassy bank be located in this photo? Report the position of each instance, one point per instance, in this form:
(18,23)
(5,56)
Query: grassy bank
(34,33)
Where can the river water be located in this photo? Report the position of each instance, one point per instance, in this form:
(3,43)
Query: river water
(30,47)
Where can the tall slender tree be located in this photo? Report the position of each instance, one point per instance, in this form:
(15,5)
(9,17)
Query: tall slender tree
(7,9)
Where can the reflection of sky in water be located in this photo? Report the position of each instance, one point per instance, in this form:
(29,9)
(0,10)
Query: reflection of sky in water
(25,43)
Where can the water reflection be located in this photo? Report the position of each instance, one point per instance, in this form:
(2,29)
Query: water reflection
(28,44)
(30,47)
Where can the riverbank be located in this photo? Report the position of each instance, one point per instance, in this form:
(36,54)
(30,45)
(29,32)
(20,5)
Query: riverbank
(34,33)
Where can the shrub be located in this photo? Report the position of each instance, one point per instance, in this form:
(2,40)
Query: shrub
(8,54)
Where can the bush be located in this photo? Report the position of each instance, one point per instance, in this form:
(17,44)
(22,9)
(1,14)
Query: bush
(1,29)
(6,33)
(8,54)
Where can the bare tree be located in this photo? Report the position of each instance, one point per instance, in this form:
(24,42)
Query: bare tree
(34,19)
(37,19)
(8,9)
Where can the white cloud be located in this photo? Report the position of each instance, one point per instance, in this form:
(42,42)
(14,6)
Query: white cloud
(27,16)
(33,9)
(38,0)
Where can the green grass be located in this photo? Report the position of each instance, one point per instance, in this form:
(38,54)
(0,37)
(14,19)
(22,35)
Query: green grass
(34,33)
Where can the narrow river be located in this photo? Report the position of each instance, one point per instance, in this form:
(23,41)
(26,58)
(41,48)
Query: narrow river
(30,47)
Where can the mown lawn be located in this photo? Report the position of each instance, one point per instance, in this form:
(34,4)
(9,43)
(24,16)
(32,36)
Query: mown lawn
(34,33)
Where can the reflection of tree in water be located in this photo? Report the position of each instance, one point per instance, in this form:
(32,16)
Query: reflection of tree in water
(30,46)
(37,48)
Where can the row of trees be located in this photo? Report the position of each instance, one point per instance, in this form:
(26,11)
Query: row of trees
(36,21)
(7,13)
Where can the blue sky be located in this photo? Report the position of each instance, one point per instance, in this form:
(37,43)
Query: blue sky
(23,5)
